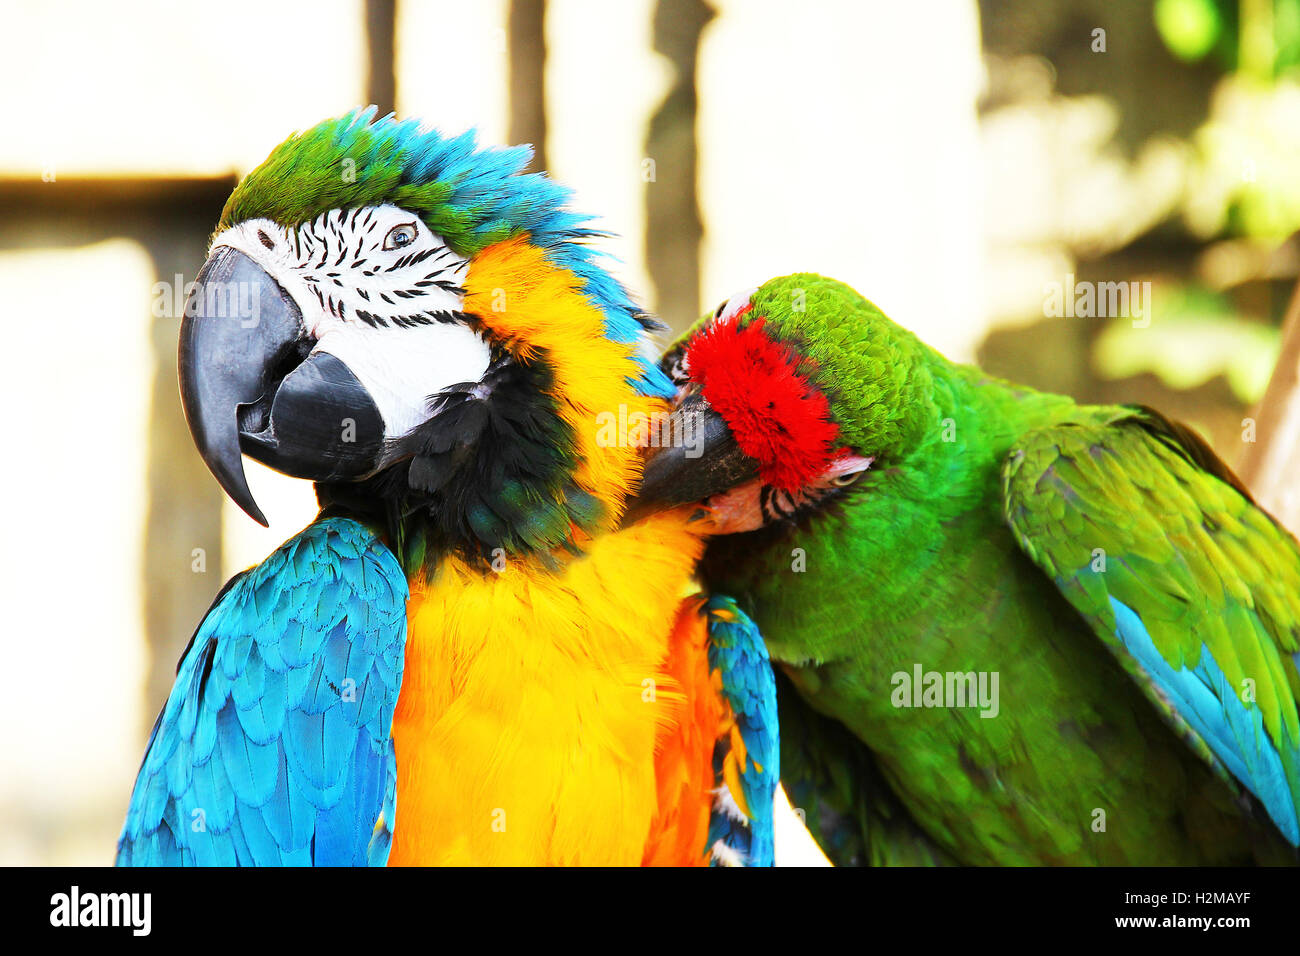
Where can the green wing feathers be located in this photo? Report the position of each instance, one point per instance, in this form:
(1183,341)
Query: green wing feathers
(1193,587)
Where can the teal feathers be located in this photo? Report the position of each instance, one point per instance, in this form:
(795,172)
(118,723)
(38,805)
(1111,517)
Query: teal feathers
(747,760)
(274,747)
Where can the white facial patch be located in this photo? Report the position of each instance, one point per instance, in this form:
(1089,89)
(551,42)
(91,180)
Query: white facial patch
(381,292)
(402,368)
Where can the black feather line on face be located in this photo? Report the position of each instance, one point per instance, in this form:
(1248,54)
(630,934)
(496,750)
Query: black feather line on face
(493,468)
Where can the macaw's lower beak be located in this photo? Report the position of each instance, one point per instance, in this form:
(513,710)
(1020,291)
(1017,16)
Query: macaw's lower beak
(251,383)
(698,457)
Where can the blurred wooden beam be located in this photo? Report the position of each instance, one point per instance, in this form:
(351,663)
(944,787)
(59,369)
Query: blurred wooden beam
(674,230)
(527,39)
(1270,465)
(90,203)
(381,54)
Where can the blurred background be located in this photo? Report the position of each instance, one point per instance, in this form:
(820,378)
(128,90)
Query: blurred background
(966,165)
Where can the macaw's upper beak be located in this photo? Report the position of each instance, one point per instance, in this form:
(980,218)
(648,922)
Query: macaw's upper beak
(251,383)
(698,457)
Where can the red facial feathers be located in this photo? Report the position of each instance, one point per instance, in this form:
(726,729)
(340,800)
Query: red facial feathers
(776,415)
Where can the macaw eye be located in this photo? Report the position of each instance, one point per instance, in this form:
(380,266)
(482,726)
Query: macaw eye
(400,236)
(848,478)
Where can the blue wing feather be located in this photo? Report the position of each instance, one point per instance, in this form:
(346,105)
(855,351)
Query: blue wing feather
(275,747)
(741,830)
(1235,733)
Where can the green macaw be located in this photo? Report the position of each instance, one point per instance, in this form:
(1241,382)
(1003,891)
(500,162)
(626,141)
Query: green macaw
(1014,629)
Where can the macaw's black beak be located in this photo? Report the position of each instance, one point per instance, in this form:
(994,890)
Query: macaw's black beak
(250,383)
(698,457)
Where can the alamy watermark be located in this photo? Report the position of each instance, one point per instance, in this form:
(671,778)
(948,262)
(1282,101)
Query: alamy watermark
(922,688)
(231,300)
(1098,300)
(75,908)
(637,429)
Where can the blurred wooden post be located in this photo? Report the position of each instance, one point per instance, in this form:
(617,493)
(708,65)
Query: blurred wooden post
(527,39)
(1270,465)
(674,230)
(381,54)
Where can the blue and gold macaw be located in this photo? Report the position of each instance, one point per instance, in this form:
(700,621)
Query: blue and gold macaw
(471,655)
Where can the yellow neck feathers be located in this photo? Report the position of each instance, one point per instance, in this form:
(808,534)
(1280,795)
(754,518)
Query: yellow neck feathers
(535,697)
